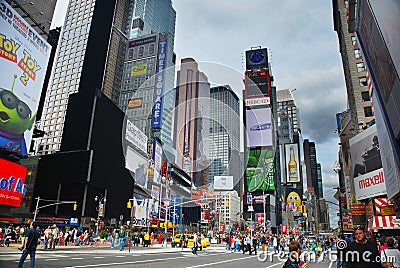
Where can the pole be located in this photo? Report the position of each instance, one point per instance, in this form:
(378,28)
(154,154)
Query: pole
(340,211)
(36,209)
(264,208)
(173,227)
(166,213)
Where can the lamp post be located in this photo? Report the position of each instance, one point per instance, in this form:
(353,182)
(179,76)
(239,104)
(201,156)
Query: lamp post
(100,209)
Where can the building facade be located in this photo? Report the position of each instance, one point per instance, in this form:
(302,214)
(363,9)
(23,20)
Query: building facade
(191,124)
(224,135)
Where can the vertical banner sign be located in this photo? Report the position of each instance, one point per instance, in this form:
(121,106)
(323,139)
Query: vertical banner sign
(12,183)
(156,120)
(292,162)
(24,55)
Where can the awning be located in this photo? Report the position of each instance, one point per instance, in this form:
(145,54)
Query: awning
(384,222)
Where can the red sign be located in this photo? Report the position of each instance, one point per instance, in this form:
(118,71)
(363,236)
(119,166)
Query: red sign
(260,218)
(12,183)
(221,228)
(284,229)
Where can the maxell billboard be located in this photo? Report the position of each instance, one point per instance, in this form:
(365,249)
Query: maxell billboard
(156,120)
(366,165)
(12,183)
(256,59)
(24,55)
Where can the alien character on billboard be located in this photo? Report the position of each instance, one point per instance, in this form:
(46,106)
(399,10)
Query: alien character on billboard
(15,118)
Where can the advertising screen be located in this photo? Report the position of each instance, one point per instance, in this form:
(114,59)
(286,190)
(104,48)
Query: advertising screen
(366,166)
(141,48)
(223,183)
(257,58)
(259,127)
(12,183)
(260,170)
(293,200)
(292,162)
(24,55)
(257,84)
(137,164)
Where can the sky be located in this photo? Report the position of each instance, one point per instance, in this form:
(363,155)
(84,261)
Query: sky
(303,52)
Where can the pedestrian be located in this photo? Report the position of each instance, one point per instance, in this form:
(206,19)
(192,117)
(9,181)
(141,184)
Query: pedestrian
(121,236)
(254,242)
(195,241)
(113,236)
(263,243)
(47,237)
(361,253)
(294,258)
(391,254)
(275,244)
(146,239)
(55,238)
(31,239)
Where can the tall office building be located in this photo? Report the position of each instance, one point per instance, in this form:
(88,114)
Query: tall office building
(320,186)
(358,95)
(191,124)
(151,21)
(224,135)
(288,110)
(70,57)
(310,160)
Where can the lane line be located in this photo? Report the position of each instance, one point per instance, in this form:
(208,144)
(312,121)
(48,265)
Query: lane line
(50,259)
(274,264)
(220,262)
(76,258)
(98,257)
(330,265)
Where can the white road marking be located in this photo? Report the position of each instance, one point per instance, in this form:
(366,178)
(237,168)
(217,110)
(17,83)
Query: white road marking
(123,263)
(76,258)
(220,262)
(100,257)
(51,259)
(330,265)
(274,264)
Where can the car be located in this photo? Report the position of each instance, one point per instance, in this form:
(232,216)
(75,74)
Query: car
(177,240)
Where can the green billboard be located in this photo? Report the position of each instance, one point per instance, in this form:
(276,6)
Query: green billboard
(260,170)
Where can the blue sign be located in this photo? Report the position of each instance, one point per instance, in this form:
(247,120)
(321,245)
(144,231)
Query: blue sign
(156,119)
(175,209)
(256,59)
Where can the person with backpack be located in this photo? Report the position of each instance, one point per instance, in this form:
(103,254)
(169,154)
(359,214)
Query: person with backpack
(121,236)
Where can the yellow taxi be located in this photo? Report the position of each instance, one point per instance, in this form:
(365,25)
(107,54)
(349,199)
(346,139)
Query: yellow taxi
(177,240)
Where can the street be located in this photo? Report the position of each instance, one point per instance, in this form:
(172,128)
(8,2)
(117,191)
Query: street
(214,256)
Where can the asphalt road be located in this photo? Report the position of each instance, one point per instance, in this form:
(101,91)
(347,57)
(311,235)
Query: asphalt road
(94,257)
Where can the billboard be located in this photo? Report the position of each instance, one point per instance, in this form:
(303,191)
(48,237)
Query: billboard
(366,164)
(258,101)
(137,163)
(257,84)
(223,183)
(12,183)
(142,47)
(24,55)
(292,162)
(260,170)
(135,136)
(135,103)
(138,70)
(293,200)
(156,119)
(257,58)
(157,158)
(259,127)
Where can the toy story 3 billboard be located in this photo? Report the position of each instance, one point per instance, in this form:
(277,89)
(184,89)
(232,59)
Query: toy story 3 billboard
(24,55)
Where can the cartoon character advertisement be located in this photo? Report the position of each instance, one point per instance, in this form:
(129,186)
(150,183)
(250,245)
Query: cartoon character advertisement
(24,56)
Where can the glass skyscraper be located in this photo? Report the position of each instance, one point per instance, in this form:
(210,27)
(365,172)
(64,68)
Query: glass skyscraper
(224,135)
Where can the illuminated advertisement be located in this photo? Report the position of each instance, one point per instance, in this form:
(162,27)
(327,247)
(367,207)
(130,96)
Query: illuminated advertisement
(135,103)
(137,164)
(24,55)
(12,183)
(140,69)
(259,127)
(257,84)
(157,158)
(256,58)
(292,162)
(260,170)
(223,183)
(293,200)
(156,119)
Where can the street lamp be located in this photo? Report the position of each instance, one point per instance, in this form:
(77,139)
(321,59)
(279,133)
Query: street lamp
(100,209)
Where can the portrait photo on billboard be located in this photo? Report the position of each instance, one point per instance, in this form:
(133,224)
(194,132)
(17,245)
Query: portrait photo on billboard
(260,170)
(258,127)
(257,58)
(365,152)
(292,162)
(23,62)
(136,163)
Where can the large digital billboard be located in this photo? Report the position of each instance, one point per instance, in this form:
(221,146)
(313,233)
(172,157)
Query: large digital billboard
(293,200)
(259,127)
(260,169)
(366,164)
(24,55)
(257,58)
(292,162)
(12,183)
(257,84)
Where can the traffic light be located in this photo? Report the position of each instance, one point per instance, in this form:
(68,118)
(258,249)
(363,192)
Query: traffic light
(227,203)
(300,209)
(129,204)
(75,206)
